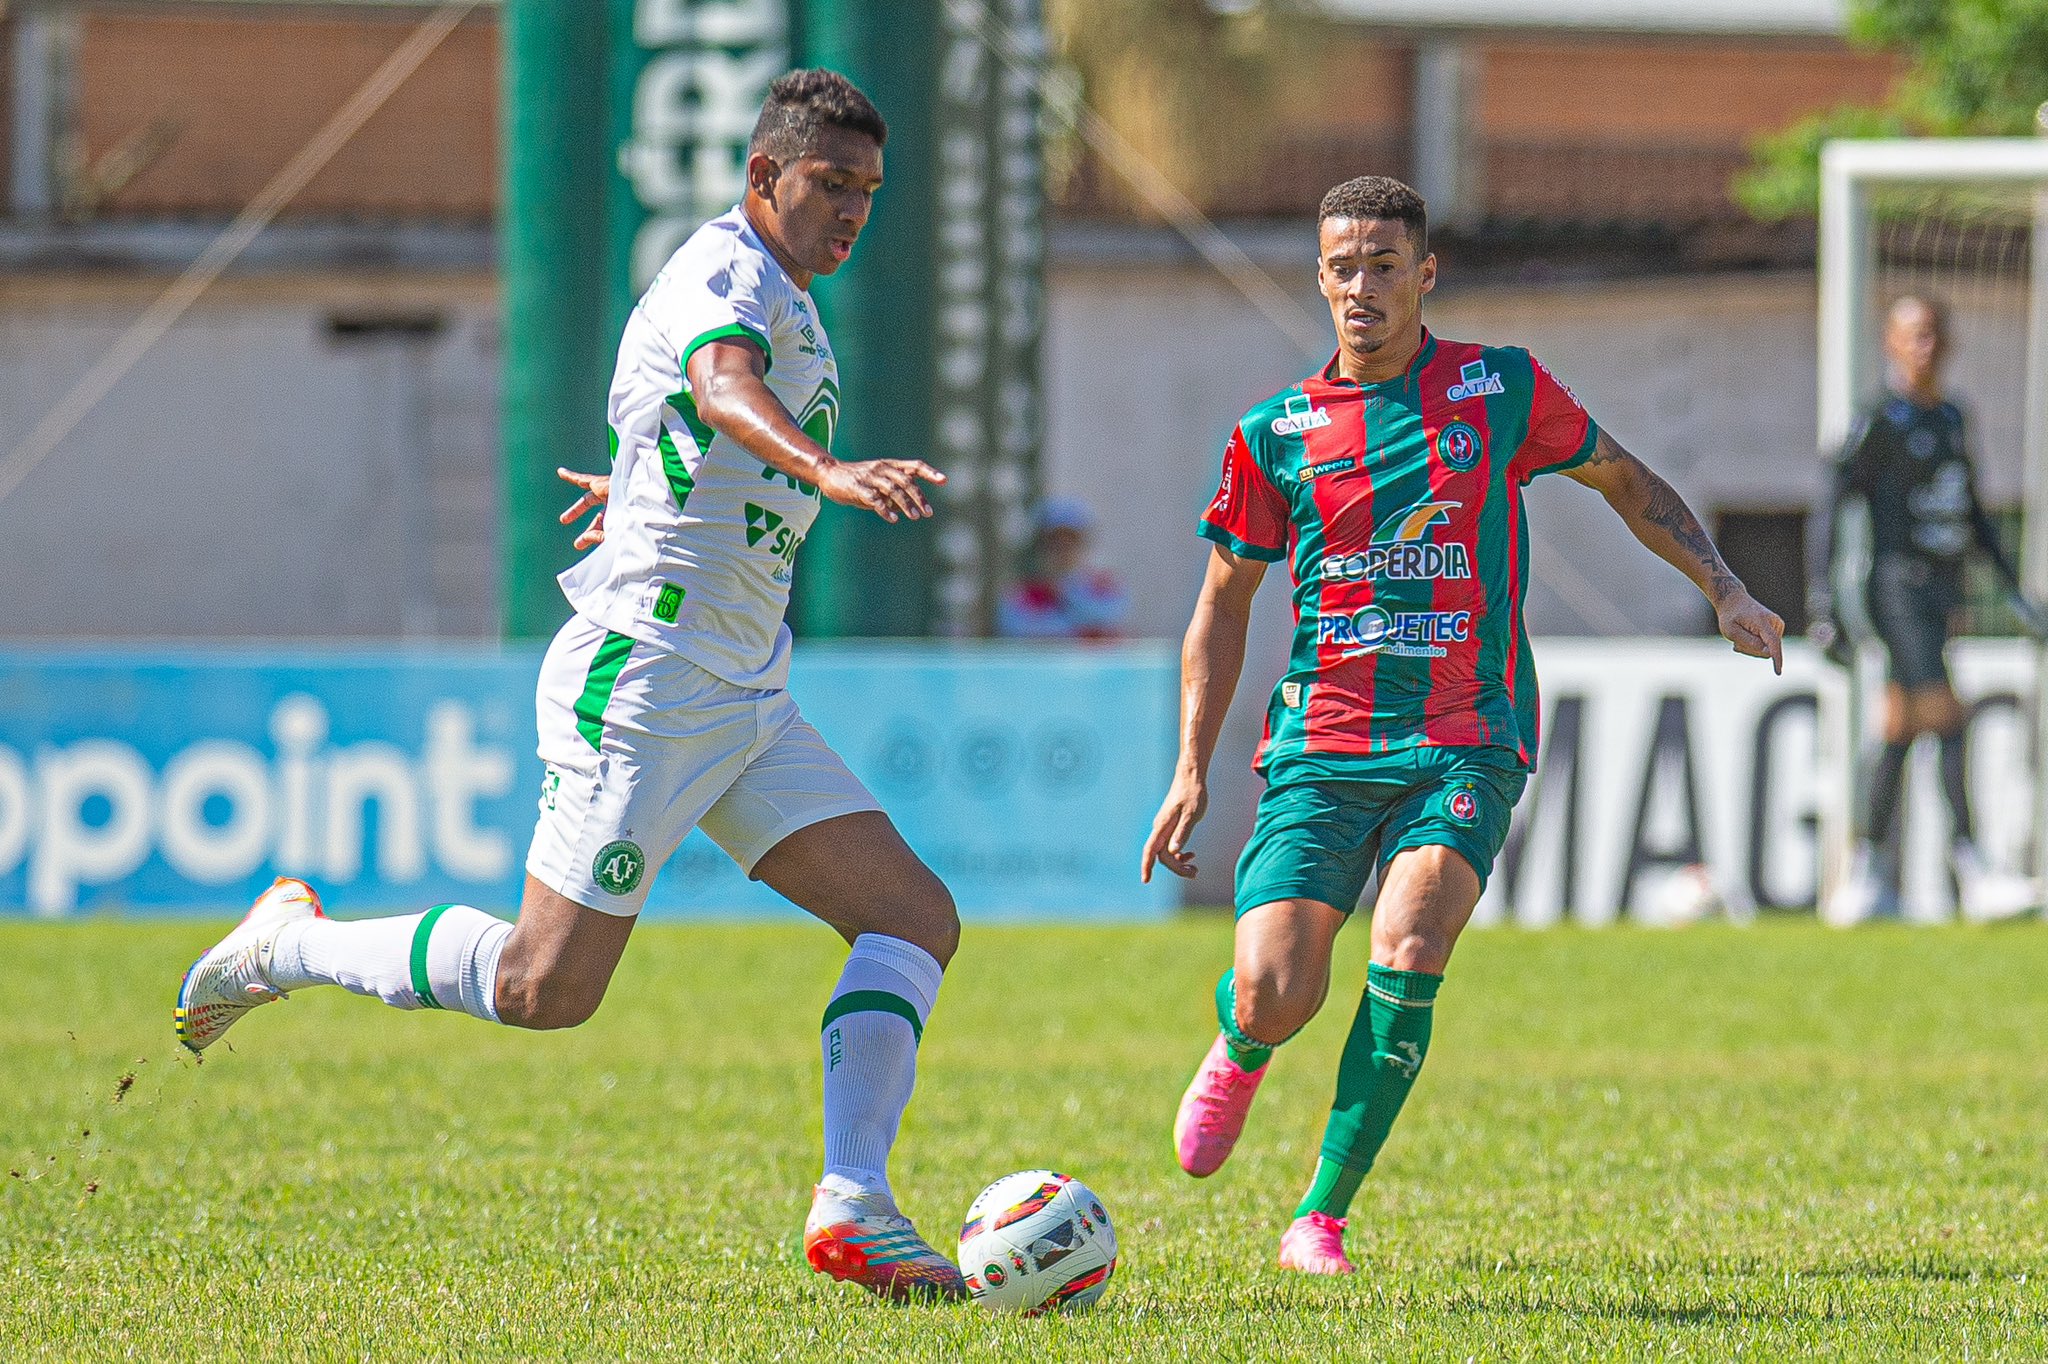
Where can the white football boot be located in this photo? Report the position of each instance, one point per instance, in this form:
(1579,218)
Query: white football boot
(229,979)
(1863,895)
(1985,895)
(864,1239)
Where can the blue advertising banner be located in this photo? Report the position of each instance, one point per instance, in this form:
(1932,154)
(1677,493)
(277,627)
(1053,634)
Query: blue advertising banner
(181,782)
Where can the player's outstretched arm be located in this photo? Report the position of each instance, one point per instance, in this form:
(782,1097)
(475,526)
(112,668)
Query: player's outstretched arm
(727,380)
(1211,658)
(1658,516)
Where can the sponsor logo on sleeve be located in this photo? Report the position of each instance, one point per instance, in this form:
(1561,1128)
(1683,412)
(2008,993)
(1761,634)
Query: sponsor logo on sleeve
(1300,414)
(1474,381)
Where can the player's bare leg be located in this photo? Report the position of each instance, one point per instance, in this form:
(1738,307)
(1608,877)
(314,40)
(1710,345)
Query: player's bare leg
(1279,976)
(1426,898)
(856,873)
(549,970)
(560,958)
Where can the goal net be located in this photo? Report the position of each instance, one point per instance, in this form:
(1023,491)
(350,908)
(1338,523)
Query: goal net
(1962,221)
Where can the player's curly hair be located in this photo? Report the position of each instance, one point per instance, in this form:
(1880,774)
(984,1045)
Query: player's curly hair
(801,102)
(1379,196)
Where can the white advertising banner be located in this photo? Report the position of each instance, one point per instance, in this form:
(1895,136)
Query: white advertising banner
(1661,757)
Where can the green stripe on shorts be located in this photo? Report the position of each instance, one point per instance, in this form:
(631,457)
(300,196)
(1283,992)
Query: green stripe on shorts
(597,688)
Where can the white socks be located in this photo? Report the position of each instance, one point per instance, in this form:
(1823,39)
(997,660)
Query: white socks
(446,958)
(871,1032)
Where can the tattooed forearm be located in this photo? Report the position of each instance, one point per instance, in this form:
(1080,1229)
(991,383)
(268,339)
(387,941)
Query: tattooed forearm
(1661,506)
(1657,516)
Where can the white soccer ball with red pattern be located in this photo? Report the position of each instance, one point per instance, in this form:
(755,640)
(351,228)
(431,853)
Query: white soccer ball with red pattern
(1037,1242)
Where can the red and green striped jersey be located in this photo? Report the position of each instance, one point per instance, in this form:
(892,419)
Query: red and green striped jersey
(1399,508)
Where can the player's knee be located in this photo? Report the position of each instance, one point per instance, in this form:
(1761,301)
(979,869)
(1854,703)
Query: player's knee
(1413,950)
(1273,1006)
(935,922)
(545,999)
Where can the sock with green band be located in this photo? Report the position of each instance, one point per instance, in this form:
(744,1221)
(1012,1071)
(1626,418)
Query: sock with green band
(1389,1039)
(446,958)
(1248,1054)
(869,1037)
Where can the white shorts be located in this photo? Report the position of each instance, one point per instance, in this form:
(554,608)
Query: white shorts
(642,746)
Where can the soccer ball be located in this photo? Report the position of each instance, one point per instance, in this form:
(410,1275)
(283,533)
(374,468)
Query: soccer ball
(1037,1242)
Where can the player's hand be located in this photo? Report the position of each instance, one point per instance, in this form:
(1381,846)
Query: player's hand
(887,487)
(1831,637)
(597,490)
(1753,628)
(1186,802)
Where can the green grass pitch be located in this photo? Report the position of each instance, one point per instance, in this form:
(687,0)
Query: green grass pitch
(1721,1143)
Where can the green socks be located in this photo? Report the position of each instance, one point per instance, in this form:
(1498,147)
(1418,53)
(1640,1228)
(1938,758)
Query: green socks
(1248,1054)
(1388,1041)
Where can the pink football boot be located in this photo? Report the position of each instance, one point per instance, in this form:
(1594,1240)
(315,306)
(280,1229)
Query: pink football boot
(1315,1245)
(1212,1112)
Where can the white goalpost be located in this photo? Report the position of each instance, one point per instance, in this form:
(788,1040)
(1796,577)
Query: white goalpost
(1856,178)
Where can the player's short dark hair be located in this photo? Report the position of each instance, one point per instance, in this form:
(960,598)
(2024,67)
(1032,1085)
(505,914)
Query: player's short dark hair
(1383,197)
(801,103)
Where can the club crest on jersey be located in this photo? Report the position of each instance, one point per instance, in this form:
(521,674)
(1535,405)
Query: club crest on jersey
(1474,381)
(1463,805)
(1301,414)
(1459,445)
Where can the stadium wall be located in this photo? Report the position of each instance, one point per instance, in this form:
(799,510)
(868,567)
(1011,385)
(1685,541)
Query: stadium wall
(344,422)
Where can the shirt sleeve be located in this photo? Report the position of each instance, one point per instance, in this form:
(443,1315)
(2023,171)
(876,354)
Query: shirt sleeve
(691,309)
(1561,432)
(1248,515)
(1847,479)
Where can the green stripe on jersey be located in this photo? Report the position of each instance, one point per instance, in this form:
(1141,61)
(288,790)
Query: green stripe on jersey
(734,331)
(1209,530)
(873,1002)
(421,989)
(597,687)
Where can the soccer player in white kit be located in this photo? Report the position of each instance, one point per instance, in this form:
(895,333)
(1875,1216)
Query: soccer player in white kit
(661,704)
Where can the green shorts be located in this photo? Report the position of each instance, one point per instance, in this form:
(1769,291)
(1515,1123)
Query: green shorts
(1322,839)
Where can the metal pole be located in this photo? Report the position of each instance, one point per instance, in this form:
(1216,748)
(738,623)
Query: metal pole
(1844,268)
(2034,554)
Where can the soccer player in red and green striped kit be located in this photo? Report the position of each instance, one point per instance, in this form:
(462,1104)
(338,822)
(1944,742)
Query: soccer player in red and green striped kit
(1404,729)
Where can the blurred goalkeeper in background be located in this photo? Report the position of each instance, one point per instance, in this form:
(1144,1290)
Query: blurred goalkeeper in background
(1908,461)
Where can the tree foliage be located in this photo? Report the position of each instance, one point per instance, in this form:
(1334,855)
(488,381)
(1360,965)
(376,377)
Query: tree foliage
(1979,69)
(1183,81)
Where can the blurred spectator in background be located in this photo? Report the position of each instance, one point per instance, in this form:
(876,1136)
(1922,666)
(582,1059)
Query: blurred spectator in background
(1060,596)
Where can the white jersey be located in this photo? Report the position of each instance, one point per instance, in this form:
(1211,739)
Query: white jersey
(700,537)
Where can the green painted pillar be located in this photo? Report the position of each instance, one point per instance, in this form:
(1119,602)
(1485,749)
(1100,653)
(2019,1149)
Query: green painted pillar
(558,351)
(859,575)
(626,128)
